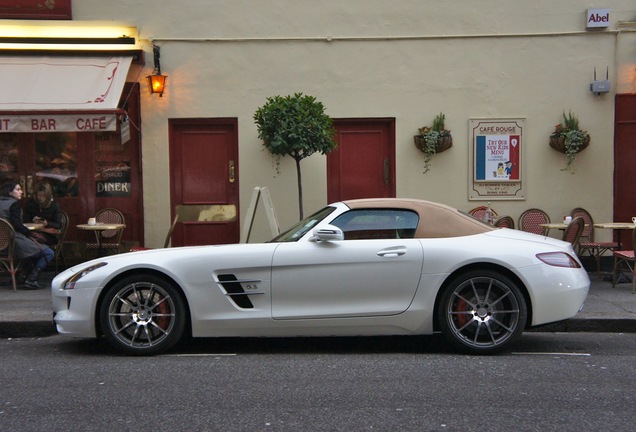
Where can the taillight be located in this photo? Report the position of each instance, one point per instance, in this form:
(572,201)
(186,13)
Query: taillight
(559,259)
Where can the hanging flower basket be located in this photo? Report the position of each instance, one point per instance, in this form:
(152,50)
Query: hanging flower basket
(558,143)
(569,139)
(433,139)
(443,143)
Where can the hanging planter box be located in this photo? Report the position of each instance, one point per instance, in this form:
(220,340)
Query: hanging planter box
(558,143)
(443,144)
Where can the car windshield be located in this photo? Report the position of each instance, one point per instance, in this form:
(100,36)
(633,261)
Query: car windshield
(303,227)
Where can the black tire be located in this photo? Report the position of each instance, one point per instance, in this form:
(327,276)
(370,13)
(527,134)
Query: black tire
(482,312)
(142,315)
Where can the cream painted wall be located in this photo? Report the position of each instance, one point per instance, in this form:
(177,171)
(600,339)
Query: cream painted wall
(371,58)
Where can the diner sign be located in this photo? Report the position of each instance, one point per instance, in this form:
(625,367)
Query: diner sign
(112,166)
(85,122)
(496,169)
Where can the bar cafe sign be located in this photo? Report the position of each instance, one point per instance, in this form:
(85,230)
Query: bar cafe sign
(85,122)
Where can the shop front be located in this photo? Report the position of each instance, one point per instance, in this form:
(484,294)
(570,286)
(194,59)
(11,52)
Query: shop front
(74,122)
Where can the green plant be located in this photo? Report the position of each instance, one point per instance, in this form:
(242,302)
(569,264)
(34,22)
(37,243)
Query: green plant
(574,139)
(296,126)
(431,137)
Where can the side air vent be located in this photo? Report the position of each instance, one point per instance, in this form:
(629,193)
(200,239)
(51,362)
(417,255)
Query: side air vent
(235,292)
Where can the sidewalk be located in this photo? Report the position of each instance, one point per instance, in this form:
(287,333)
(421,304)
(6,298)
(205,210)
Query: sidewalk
(611,310)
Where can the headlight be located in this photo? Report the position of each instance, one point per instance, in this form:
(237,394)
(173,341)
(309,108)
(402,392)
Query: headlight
(70,284)
(559,259)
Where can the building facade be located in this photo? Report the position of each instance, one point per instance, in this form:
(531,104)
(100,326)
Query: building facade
(382,70)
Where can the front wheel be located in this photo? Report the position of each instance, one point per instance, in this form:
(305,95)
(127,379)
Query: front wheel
(481,312)
(142,315)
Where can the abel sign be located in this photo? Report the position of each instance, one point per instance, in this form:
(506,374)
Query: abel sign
(598,18)
(496,169)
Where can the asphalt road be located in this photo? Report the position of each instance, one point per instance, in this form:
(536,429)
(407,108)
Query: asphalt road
(563,381)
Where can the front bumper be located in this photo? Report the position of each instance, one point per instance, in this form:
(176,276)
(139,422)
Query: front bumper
(74,311)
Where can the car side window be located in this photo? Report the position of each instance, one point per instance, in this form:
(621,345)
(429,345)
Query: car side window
(370,224)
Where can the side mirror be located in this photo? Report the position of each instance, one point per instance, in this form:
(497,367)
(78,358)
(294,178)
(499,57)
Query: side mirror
(327,233)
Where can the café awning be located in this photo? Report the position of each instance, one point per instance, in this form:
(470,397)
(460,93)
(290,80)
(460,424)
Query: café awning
(61,94)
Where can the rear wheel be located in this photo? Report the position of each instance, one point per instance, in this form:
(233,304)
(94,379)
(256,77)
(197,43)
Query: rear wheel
(142,315)
(482,312)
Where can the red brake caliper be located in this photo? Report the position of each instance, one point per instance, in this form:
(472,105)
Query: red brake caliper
(164,320)
(461,319)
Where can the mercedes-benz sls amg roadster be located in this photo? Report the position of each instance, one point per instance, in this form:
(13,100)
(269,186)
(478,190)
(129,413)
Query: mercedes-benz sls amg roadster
(354,268)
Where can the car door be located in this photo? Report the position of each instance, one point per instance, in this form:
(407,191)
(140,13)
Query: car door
(375,271)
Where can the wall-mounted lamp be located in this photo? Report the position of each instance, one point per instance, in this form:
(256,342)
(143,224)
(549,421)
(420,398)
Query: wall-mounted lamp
(156,81)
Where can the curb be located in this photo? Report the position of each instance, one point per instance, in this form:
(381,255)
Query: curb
(590,325)
(25,329)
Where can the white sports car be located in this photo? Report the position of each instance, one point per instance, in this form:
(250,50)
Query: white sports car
(360,267)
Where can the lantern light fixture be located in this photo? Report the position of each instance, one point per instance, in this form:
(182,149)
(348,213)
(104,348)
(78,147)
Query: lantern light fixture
(156,81)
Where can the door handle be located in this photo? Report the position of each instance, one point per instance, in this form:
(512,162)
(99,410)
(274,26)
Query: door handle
(386,171)
(232,178)
(392,252)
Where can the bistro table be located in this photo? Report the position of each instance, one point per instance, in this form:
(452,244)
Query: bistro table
(616,227)
(554,225)
(100,226)
(34,226)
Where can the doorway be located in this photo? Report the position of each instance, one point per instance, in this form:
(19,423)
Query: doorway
(363,164)
(204,181)
(624,159)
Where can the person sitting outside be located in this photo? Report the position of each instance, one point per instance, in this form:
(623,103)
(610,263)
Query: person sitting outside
(26,247)
(40,208)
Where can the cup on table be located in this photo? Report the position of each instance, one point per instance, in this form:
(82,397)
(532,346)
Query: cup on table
(567,220)
(92,221)
(634,219)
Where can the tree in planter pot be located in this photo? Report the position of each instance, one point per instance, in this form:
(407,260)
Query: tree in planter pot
(296,126)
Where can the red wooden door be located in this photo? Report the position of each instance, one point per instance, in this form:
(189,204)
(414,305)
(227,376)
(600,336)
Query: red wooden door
(204,181)
(625,160)
(363,165)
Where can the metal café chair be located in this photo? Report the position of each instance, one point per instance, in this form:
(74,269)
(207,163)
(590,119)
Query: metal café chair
(587,244)
(573,232)
(480,213)
(7,248)
(60,241)
(505,222)
(625,257)
(530,220)
(109,239)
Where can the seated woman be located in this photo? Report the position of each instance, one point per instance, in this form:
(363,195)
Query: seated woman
(26,247)
(40,208)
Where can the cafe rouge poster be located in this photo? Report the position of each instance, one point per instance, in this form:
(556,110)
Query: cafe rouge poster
(496,170)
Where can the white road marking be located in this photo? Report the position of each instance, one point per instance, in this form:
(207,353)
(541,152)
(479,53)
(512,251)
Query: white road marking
(553,354)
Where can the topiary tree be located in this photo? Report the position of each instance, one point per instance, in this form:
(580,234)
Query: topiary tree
(296,126)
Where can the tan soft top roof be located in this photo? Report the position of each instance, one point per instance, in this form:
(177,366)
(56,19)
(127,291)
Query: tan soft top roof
(436,220)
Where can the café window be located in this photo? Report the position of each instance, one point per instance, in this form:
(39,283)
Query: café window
(8,157)
(73,164)
(112,165)
(56,162)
